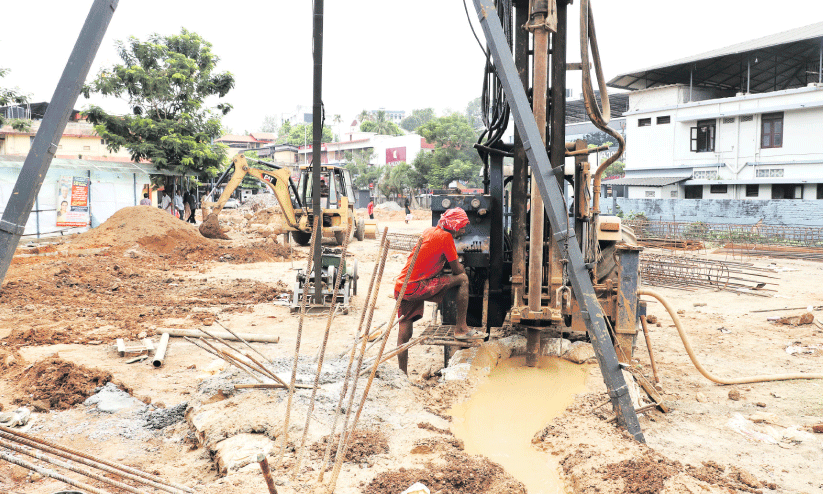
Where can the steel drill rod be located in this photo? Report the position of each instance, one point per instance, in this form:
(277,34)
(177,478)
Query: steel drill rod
(50,473)
(649,347)
(365,317)
(337,279)
(303,301)
(68,466)
(357,338)
(264,467)
(88,460)
(236,335)
(338,464)
(231,361)
(257,367)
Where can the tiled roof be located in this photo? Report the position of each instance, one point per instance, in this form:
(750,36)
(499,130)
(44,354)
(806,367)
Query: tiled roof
(234,138)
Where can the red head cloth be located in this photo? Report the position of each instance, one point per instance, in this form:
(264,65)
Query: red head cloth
(453,220)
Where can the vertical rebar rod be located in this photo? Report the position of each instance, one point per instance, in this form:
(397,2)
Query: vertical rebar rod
(338,464)
(264,467)
(364,332)
(322,355)
(285,433)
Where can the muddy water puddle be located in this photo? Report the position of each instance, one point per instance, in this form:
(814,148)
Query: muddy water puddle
(512,404)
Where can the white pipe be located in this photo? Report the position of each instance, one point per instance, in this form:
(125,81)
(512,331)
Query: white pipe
(160,354)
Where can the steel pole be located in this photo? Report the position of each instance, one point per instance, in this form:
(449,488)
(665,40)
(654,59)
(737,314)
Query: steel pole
(317,134)
(520,176)
(44,146)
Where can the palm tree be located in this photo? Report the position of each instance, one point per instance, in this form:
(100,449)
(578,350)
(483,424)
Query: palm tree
(382,125)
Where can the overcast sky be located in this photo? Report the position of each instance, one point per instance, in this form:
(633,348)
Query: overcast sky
(392,54)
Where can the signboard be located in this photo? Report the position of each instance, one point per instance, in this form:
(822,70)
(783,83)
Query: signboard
(73,201)
(395,155)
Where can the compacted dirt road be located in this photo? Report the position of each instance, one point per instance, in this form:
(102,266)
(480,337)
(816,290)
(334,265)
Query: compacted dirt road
(63,305)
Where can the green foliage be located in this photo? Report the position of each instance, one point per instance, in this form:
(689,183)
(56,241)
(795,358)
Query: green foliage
(453,157)
(615,169)
(598,138)
(417,118)
(270,124)
(380,125)
(398,179)
(165,81)
(302,134)
(361,171)
(13,96)
(474,113)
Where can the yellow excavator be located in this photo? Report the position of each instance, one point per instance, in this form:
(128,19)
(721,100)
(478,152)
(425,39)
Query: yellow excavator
(336,198)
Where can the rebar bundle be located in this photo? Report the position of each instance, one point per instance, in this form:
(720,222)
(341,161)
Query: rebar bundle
(690,273)
(794,242)
(402,241)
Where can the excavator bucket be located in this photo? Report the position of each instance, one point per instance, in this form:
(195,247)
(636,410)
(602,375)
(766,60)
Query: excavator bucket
(211,228)
(370,229)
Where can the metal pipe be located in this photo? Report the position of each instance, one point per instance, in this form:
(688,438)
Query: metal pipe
(264,467)
(160,353)
(50,473)
(649,346)
(537,220)
(317,134)
(231,336)
(519,188)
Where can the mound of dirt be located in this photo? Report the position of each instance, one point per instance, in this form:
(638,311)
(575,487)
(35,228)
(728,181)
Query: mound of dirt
(144,226)
(461,474)
(366,443)
(59,383)
(643,475)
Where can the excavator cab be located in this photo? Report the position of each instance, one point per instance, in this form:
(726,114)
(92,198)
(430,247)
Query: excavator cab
(337,200)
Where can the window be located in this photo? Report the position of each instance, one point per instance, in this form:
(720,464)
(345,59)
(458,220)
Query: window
(644,122)
(787,191)
(102,141)
(694,192)
(705,175)
(664,120)
(650,193)
(728,120)
(702,136)
(769,172)
(820,191)
(746,118)
(771,125)
(752,190)
(674,194)
(719,189)
(86,148)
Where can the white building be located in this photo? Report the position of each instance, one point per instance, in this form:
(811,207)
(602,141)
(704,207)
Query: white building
(383,150)
(743,122)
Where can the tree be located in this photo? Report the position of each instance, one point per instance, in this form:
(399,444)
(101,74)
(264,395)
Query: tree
(364,116)
(453,157)
(362,171)
(301,134)
(165,81)
(615,169)
(474,113)
(417,118)
(397,179)
(270,124)
(13,96)
(381,125)
(599,138)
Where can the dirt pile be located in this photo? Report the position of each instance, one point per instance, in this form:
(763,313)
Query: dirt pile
(54,383)
(460,474)
(366,443)
(142,230)
(643,475)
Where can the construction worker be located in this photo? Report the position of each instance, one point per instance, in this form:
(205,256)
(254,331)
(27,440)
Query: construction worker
(428,282)
(370,210)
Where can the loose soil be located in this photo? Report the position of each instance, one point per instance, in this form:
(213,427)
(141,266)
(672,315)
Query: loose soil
(76,298)
(365,443)
(56,384)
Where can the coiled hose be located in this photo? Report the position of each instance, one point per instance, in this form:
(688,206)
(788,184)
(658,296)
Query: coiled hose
(687,344)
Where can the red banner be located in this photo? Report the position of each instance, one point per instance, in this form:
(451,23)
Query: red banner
(394,155)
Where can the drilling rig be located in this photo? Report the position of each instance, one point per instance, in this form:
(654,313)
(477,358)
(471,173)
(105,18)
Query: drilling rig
(543,259)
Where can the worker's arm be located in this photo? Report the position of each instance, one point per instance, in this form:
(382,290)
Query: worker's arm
(457,268)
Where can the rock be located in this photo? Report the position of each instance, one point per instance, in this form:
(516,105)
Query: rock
(681,312)
(701,398)
(748,479)
(141,335)
(761,404)
(10,360)
(19,417)
(40,406)
(580,352)
(238,451)
(735,395)
(34,477)
(804,319)
(818,428)
(421,449)
(699,304)
(651,319)
(145,399)
(112,399)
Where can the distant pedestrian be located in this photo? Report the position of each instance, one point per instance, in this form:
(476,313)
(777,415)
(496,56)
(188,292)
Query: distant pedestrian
(370,210)
(178,204)
(165,202)
(409,216)
(145,201)
(190,201)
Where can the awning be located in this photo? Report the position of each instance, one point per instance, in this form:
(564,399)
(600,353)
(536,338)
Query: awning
(645,181)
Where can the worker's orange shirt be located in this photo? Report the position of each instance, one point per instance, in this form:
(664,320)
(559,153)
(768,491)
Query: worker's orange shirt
(370,208)
(436,250)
